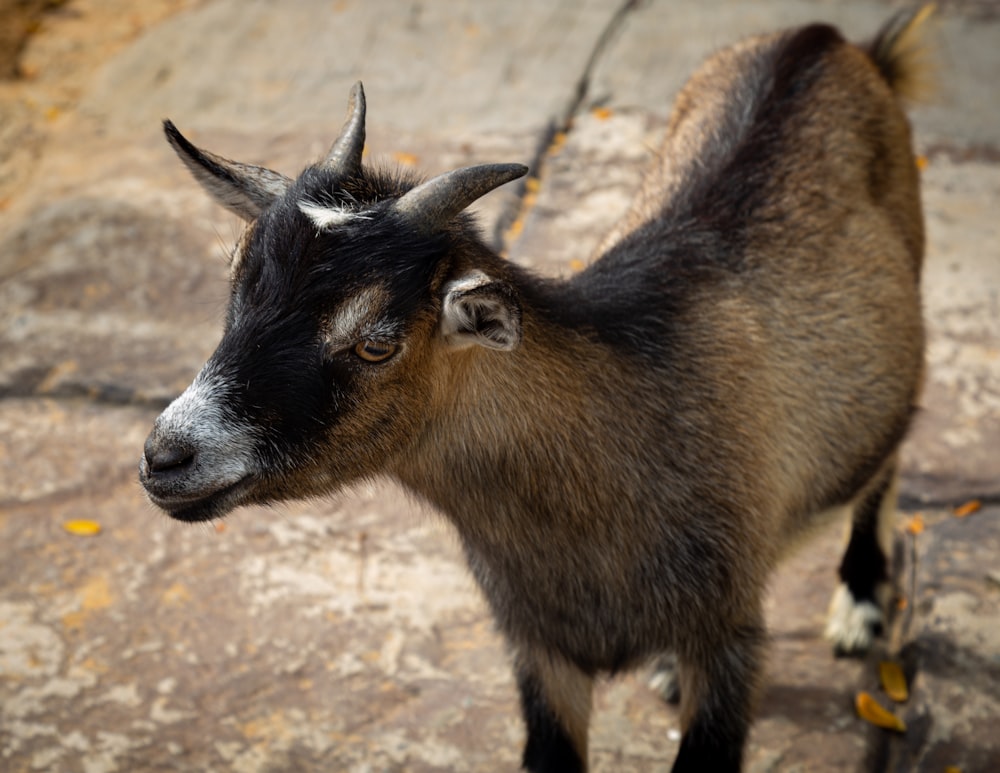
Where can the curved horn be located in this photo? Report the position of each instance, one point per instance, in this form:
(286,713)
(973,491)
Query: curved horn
(432,204)
(345,154)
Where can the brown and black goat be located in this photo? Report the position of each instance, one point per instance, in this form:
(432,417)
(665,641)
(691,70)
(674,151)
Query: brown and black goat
(626,453)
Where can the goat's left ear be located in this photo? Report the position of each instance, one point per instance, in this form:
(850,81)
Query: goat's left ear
(479,310)
(241,188)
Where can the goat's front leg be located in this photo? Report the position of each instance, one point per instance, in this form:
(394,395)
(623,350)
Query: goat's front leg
(555,700)
(718,684)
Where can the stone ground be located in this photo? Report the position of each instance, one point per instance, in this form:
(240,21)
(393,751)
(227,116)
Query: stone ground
(347,635)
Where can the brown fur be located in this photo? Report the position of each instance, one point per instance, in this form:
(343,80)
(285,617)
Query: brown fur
(765,429)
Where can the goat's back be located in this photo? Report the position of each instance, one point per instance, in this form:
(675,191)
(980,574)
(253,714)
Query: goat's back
(779,115)
(784,211)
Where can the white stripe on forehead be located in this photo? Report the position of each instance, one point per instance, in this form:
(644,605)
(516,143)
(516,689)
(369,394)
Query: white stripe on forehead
(326,216)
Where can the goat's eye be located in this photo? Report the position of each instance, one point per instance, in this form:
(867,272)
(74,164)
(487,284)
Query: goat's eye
(374,351)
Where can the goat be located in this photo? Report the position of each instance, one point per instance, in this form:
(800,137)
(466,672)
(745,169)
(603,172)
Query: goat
(625,453)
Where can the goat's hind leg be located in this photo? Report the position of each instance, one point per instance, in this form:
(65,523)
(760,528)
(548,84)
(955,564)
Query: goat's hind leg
(555,701)
(665,679)
(857,608)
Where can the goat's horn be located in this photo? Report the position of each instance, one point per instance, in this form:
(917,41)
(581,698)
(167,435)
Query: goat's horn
(244,189)
(432,204)
(345,154)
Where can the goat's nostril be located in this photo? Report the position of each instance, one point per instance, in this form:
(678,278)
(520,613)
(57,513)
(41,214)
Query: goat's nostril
(166,457)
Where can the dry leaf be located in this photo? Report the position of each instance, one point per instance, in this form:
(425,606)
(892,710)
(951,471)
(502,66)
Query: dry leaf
(902,603)
(602,113)
(893,681)
(953,769)
(558,140)
(870,710)
(576,264)
(916,524)
(970,507)
(404,158)
(82,528)
(921,162)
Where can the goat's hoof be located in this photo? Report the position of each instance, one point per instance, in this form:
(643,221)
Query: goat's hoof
(852,625)
(665,681)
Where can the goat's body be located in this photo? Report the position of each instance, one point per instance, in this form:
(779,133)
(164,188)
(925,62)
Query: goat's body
(626,453)
(745,431)
(607,535)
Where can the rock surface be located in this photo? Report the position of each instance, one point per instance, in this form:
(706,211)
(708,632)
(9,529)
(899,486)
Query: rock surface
(347,634)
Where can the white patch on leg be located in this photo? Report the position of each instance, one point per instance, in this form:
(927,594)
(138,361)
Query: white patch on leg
(851,624)
(664,684)
(664,680)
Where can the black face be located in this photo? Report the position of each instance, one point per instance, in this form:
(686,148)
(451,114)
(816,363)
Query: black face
(308,388)
(337,302)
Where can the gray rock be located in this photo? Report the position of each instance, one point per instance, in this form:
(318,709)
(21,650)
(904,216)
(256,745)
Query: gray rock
(952,650)
(953,451)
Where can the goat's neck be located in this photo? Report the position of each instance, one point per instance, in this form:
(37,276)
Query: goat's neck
(524,431)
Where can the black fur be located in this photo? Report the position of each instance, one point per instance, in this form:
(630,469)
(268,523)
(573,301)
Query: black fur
(548,749)
(864,565)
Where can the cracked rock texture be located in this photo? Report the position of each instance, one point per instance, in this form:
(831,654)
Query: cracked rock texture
(347,634)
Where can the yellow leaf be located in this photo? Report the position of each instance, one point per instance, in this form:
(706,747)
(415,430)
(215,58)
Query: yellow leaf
(532,185)
(96,594)
(558,140)
(968,508)
(921,162)
(404,158)
(870,710)
(953,769)
(576,264)
(176,594)
(893,681)
(916,524)
(515,228)
(82,528)
(602,113)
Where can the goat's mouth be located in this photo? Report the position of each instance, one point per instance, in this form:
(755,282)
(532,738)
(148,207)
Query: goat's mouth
(204,506)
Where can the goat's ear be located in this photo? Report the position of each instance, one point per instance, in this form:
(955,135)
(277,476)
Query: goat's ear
(479,310)
(241,188)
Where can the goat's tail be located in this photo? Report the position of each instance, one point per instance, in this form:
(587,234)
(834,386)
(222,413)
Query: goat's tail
(902,54)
